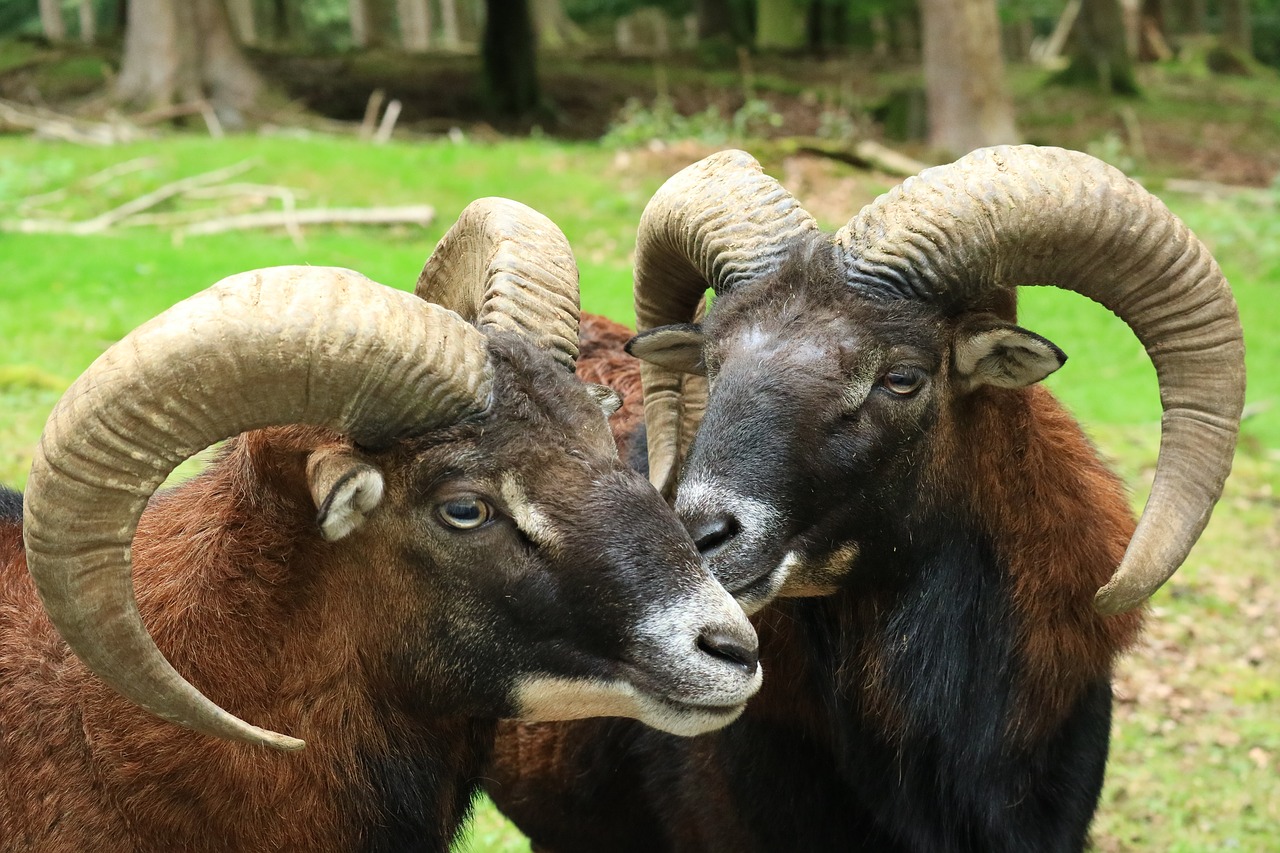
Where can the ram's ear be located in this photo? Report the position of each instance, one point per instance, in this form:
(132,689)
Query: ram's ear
(610,400)
(992,352)
(677,348)
(346,490)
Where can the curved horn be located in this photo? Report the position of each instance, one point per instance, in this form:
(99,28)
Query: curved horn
(505,265)
(309,345)
(1013,215)
(716,224)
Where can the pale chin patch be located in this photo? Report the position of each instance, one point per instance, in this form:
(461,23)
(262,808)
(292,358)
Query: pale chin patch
(758,598)
(548,698)
(816,579)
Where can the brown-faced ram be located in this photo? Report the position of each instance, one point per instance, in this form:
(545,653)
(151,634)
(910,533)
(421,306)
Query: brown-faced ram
(422,527)
(931,527)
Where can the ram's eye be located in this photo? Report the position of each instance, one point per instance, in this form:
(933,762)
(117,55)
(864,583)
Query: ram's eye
(904,381)
(465,513)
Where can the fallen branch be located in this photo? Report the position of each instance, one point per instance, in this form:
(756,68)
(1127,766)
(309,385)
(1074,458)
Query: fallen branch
(864,154)
(418,214)
(58,126)
(241,189)
(90,182)
(1210,190)
(103,221)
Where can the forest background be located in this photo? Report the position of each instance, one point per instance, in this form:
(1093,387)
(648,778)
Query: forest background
(150,147)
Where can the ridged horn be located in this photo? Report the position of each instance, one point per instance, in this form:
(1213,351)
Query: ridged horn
(716,224)
(309,345)
(1017,215)
(505,265)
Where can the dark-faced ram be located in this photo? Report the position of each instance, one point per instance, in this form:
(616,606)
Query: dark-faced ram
(856,440)
(422,526)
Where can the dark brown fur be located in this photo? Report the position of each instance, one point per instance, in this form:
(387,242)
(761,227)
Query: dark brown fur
(783,778)
(218,583)
(391,651)
(601,360)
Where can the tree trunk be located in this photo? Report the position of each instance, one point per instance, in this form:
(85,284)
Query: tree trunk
(780,24)
(1098,53)
(52,22)
(722,19)
(88,22)
(1153,44)
(510,58)
(906,32)
(370,22)
(1237,28)
(879,35)
(182,50)
(450,36)
(284,20)
(415,25)
(242,18)
(553,28)
(358,15)
(968,104)
(1192,15)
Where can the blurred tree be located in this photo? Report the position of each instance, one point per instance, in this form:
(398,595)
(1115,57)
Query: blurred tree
(88,22)
(509,53)
(1192,15)
(780,24)
(1099,53)
(281,21)
(181,51)
(715,19)
(52,22)
(1237,30)
(243,20)
(415,25)
(553,27)
(371,22)
(450,39)
(968,104)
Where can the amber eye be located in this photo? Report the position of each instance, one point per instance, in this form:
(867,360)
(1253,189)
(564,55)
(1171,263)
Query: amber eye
(904,381)
(465,513)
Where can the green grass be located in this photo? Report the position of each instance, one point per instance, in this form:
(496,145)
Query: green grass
(1196,762)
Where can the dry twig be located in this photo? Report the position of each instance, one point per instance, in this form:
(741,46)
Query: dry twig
(417,214)
(90,182)
(58,126)
(388,123)
(104,221)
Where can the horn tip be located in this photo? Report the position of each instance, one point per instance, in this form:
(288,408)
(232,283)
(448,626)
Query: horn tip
(1109,601)
(284,743)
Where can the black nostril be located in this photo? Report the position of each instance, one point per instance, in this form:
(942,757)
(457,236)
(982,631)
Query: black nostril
(726,647)
(711,534)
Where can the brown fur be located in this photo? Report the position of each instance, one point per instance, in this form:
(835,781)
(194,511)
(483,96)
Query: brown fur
(232,583)
(602,361)
(1016,461)
(1025,468)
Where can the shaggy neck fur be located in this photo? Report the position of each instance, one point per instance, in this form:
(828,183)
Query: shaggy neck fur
(962,701)
(269,622)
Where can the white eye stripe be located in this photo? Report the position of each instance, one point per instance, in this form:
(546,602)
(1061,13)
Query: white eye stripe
(531,520)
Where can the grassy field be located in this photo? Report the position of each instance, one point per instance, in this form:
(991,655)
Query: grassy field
(1196,762)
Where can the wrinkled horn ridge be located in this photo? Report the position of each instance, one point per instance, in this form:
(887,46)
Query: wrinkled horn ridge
(716,224)
(312,345)
(1017,215)
(505,265)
